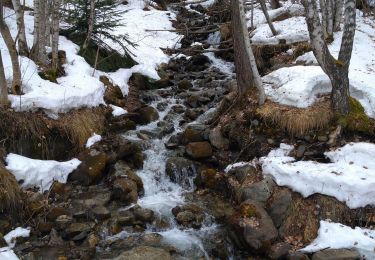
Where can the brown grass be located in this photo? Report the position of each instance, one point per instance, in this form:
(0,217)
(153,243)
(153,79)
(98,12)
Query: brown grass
(11,196)
(80,125)
(297,121)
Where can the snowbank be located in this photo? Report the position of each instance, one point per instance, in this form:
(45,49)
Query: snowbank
(39,173)
(79,88)
(299,86)
(336,236)
(350,177)
(10,238)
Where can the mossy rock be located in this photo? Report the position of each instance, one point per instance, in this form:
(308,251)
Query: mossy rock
(50,74)
(143,82)
(108,60)
(248,210)
(356,120)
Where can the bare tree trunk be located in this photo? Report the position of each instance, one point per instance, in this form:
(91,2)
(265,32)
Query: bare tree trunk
(275,4)
(22,43)
(91,24)
(337,70)
(265,12)
(48,21)
(35,48)
(339,4)
(55,33)
(246,70)
(3,85)
(42,54)
(11,46)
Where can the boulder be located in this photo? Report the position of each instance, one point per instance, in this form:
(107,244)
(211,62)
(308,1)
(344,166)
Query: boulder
(217,140)
(144,215)
(146,115)
(121,169)
(125,190)
(252,227)
(198,62)
(333,254)
(76,229)
(199,150)
(181,170)
(259,192)
(279,205)
(92,169)
(279,250)
(144,252)
(184,84)
(194,133)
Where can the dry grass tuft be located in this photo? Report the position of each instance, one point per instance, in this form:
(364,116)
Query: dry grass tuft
(81,124)
(11,196)
(297,121)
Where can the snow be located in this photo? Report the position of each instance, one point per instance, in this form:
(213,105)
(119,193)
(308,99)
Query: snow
(299,86)
(11,237)
(118,111)
(7,254)
(80,87)
(237,165)
(39,173)
(336,236)
(92,140)
(349,177)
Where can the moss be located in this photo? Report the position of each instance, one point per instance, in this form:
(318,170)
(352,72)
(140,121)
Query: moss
(356,120)
(339,63)
(248,210)
(50,74)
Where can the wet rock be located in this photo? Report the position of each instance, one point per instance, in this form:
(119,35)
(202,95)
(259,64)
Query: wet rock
(195,101)
(101,213)
(179,109)
(63,221)
(76,229)
(181,170)
(198,63)
(55,212)
(184,84)
(217,140)
(251,227)
(333,254)
(199,150)
(194,133)
(189,215)
(212,179)
(259,192)
(185,218)
(144,215)
(297,256)
(125,190)
(144,252)
(191,114)
(45,227)
(147,115)
(279,250)
(152,239)
(162,106)
(121,169)
(121,124)
(165,127)
(279,205)
(125,218)
(92,169)
(172,142)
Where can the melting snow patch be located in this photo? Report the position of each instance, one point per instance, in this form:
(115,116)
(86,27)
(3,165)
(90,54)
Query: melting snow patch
(336,236)
(92,140)
(237,165)
(350,177)
(7,254)
(118,111)
(11,237)
(39,173)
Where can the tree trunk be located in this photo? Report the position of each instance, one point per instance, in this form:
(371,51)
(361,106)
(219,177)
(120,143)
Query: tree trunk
(55,33)
(11,46)
(246,70)
(3,85)
(91,24)
(48,22)
(338,15)
(265,12)
(22,43)
(35,48)
(337,70)
(42,54)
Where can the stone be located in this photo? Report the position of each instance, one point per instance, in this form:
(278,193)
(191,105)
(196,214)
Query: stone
(144,252)
(63,221)
(125,218)
(198,63)
(55,212)
(199,150)
(279,205)
(279,250)
(195,101)
(259,192)
(76,229)
(185,218)
(323,138)
(297,256)
(144,215)
(300,151)
(212,179)
(121,169)
(184,84)
(55,239)
(45,227)
(181,170)
(172,142)
(101,213)
(92,169)
(217,140)
(147,115)
(125,190)
(162,106)
(333,254)
(178,109)
(191,114)
(252,225)
(194,133)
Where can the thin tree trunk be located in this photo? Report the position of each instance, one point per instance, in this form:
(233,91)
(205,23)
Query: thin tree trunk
(48,21)
(22,43)
(35,48)
(42,55)
(3,85)
(11,46)
(337,70)
(338,15)
(55,33)
(265,12)
(246,70)
(91,24)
